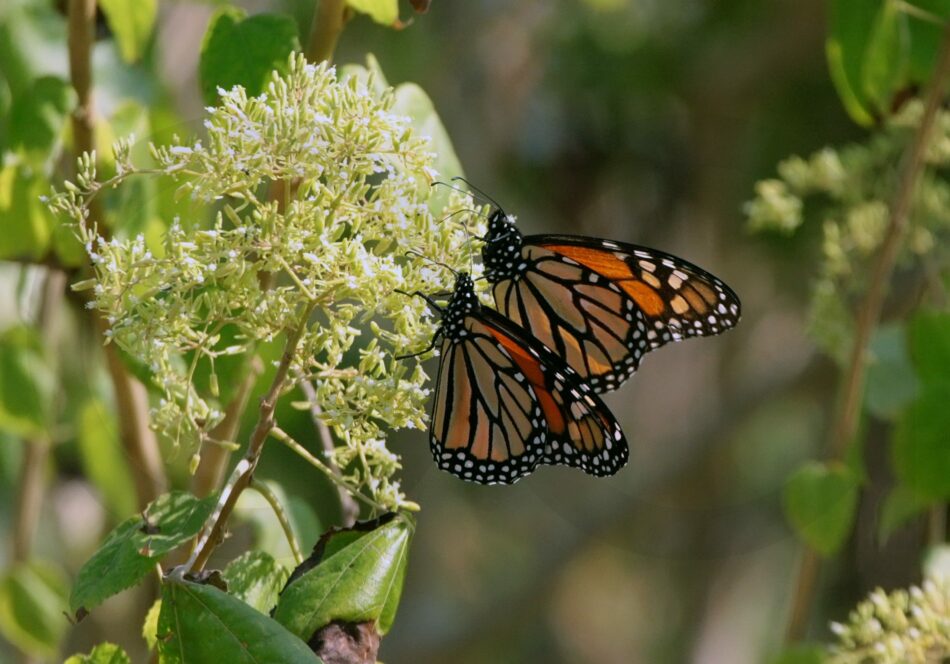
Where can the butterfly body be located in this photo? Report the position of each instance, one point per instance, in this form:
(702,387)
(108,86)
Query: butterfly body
(601,304)
(505,404)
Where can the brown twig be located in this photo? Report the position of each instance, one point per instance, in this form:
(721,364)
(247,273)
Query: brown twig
(241,477)
(852,388)
(328,21)
(30,488)
(138,439)
(349,509)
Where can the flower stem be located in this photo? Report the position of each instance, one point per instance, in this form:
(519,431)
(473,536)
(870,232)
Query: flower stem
(848,410)
(328,20)
(281,515)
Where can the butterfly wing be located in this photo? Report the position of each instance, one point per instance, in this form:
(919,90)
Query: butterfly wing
(505,404)
(602,305)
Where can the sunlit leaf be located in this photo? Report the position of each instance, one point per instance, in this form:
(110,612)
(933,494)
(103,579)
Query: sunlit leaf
(24,217)
(887,55)
(131,21)
(385,12)
(150,625)
(354,575)
(103,458)
(32,601)
(244,51)
(820,502)
(38,116)
(256,578)
(104,653)
(133,548)
(201,623)
(26,384)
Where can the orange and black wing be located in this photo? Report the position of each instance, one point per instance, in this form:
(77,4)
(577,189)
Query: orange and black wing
(602,305)
(505,404)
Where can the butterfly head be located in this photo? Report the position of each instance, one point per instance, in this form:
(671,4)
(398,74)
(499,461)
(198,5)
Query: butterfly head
(502,252)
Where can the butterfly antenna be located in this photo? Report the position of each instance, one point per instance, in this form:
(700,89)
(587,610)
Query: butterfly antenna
(478,191)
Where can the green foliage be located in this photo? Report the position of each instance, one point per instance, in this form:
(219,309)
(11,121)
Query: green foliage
(104,653)
(103,459)
(200,623)
(131,21)
(241,50)
(150,624)
(353,575)
(25,219)
(901,505)
(26,384)
(38,117)
(892,383)
(385,12)
(256,578)
(136,545)
(800,654)
(820,502)
(32,601)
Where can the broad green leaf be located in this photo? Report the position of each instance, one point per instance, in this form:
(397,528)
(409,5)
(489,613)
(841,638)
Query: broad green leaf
(891,381)
(354,575)
(38,116)
(103,458)
(24,217)
(26,384)
(849,29)
(805,653)
(925,38)
(921,443)
(135,546)
(150,625)
(930,346)
(268,534)
(104,653)
(820,502)
(385,12)
(244,51)
(32,601)
(204,624)
(256,578)
(887,56)
(131,21)
(900,506)
(412,100)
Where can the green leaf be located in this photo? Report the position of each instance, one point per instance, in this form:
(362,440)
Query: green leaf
(204,624)
(104,653)
(900,506)
(805,653)
(268,534)
(820,502)
(103,459)
(150,625)
(930,346)
(256,578)
(891,381)
(921,443)
(32,600)
(385,12)
(354,575)
(244,51)
(38,116)
(849,30)
(133,548)
(412,100)
(925,37)
(24,217)
(26,384)
(887,56)
(131,21)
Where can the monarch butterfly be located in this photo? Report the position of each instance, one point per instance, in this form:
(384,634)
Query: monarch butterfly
(504,403)
(600,304)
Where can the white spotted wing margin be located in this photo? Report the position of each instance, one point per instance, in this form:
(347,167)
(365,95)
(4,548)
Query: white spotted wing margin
(505,404)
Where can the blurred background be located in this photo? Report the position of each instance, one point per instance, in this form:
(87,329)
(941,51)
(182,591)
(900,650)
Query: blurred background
(646,121)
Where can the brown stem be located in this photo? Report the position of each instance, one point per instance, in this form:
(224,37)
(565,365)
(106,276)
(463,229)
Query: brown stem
(852,388)
(31,484)
(349,509)
(245,470)
(139,441)
(328,21)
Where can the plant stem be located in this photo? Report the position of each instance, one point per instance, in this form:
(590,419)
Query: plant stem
(328,21)
(281,515)
(138,439)
(241,477)
(30,491)
(852,388)
(349,510)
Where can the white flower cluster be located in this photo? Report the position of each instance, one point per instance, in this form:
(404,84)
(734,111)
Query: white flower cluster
(322,199)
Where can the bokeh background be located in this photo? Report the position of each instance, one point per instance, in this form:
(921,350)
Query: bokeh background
(647,121)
